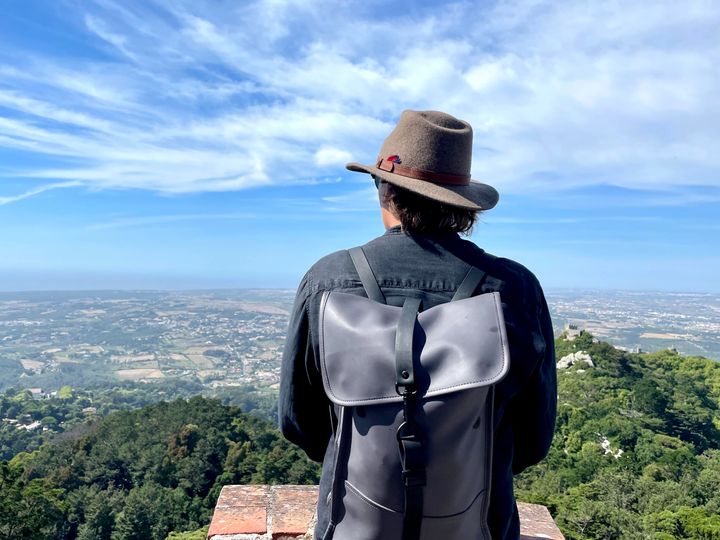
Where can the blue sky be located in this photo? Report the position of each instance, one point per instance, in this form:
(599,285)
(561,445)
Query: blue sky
(191,144)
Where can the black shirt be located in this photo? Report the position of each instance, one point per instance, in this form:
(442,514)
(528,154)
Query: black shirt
(434,265)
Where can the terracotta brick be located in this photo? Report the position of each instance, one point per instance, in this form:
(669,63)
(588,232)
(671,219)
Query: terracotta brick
(536,522)
(243,512)
(248,520)
(293,510)
(243,496)
(240,510)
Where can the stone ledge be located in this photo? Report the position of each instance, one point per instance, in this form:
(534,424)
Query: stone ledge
(288,512)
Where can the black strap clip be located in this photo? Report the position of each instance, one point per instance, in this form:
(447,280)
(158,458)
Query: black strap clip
(416,478)
(406,390)
(409,431)
(411,446)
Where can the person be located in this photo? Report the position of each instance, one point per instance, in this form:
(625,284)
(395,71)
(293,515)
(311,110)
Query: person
(427,201)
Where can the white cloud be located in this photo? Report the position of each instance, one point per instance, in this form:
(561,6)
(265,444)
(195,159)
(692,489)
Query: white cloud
(359,200)
(202,97)
(48,111)
(143,221)
(328,155)
(99,27)
(36,191)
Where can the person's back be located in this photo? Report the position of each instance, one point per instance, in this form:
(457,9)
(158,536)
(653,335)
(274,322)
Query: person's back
(428,260)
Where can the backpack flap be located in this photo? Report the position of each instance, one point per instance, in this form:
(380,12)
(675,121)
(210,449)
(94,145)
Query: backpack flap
(461,345)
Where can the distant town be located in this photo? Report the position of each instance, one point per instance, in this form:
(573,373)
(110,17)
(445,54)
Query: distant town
(235,337)
(217,337)
(642,321)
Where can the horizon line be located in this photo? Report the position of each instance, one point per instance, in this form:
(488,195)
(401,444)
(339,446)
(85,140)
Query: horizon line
(547,289)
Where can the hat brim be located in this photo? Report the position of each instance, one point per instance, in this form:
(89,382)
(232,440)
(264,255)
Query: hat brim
(474,196)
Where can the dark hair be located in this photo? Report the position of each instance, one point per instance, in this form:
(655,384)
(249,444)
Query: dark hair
(418,214)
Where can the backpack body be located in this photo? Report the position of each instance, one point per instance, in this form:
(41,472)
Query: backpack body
(457,352)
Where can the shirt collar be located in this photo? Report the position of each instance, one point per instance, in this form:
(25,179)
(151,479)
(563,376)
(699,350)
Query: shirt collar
(393,230)
(397,229)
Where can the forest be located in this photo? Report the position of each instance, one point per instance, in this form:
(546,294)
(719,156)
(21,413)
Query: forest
(27,422)
(636,455)
(142,473)
(636,452)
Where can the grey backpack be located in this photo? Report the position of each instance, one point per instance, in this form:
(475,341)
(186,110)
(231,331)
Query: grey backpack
(412,392)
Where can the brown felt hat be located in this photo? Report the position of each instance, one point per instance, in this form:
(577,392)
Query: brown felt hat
(430,153)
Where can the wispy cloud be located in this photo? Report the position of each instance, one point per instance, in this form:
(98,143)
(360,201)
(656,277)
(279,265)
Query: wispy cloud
(143,221)
(194,97)
(360,200)
(36,191)
(98,27)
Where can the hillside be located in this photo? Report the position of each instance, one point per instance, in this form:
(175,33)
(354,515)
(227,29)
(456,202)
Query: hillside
(142,473)
(636,452)
(636,455)
(27,421)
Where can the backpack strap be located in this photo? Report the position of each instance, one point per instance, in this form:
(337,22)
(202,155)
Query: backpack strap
(404,369)
(411,440)
(362,267)
(469,284)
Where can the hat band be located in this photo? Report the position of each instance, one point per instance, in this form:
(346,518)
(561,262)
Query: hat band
(420,174)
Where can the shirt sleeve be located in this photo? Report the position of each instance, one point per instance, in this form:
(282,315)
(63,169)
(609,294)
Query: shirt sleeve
(534,408)
(303,408)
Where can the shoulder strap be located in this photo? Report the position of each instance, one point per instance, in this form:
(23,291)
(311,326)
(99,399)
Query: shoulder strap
(362,267)
(404,367)
(411,439)
(469,284)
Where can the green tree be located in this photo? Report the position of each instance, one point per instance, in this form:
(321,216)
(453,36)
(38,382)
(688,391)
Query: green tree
(99,520)
(199,534)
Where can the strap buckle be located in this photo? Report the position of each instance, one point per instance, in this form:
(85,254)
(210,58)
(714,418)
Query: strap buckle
(406,389)
(409,431)
(414,478)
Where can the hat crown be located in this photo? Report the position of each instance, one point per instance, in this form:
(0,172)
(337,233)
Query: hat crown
(430,153)
(431,141)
